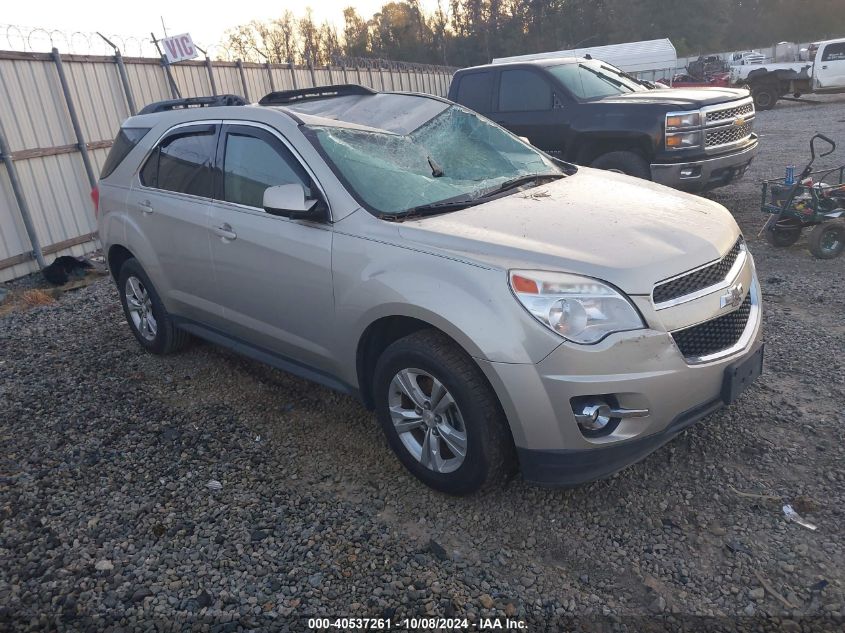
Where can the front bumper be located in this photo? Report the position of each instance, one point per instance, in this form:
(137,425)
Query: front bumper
(642,369)
(709,173)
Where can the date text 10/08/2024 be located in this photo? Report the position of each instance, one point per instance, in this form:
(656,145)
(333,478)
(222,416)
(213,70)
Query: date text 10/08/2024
(414,624)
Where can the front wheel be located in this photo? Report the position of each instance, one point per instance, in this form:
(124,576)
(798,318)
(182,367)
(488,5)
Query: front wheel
(624,162)
(440,416)
(783,233)
(827,240)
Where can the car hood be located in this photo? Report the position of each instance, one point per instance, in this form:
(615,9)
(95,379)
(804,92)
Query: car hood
(627,231)
(686,98)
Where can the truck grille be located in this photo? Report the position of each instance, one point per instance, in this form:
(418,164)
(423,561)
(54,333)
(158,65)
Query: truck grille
(730,113)
(727,135)
(715,335)
(698,279)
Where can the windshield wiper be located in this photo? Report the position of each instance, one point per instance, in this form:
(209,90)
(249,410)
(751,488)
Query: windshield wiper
(443,206)
(513,183)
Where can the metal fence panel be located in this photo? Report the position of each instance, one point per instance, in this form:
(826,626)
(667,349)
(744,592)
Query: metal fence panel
(46,153)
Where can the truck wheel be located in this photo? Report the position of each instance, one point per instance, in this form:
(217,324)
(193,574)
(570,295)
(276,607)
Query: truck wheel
(827,240)
(624,162)
(784,233)
(440,416)
(765,96)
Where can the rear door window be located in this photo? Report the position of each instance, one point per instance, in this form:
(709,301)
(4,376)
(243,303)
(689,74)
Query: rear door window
(125,142)
(524,91)
(183,162)
(255,160)
(475,91)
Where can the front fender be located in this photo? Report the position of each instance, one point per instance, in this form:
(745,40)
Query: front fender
(470,303)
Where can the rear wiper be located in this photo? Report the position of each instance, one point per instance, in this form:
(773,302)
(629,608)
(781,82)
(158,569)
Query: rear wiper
(519,181)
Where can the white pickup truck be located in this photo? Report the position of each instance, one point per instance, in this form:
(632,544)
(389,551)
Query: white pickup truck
(825,74)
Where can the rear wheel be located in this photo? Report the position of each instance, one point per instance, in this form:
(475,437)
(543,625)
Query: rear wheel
(624,162)
(440,415)
(784,233)
(827,240)
(147,317)
(765,96)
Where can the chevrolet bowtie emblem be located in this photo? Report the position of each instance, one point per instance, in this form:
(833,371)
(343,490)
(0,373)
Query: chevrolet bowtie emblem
(739,121)
(732,298)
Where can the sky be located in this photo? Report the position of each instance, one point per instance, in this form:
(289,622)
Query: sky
(205,21)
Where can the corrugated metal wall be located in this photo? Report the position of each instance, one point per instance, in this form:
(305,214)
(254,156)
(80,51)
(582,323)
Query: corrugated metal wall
(45,152)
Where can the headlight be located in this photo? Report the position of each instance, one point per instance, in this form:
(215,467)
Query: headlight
(683,140)
(689,119)
(580,309)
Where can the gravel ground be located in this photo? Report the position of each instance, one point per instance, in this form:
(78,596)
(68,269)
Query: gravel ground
(106,519)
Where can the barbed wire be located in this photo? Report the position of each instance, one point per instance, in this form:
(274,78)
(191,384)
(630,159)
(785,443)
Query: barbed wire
(34,39)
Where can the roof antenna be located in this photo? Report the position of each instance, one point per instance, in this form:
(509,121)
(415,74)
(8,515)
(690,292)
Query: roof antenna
(588,56)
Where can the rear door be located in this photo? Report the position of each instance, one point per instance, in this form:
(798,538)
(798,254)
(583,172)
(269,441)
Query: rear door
(528,106)
(273,274)
(169,206)
(829,71)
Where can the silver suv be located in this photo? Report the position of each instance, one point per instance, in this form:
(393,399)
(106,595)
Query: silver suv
(496,307)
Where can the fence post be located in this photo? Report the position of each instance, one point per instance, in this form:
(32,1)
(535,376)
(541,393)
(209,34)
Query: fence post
(17,190)
(313,74)
(370,74)
(345,75)
(124,80)
(293,75)
(270,77)
(210,68)
(74,120)
(331,76)
(240,66)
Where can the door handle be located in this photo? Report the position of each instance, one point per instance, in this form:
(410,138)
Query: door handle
(824,67)
(146,206)
(225,232)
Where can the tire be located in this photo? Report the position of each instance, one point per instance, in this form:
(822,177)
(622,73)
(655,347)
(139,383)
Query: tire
(625,162)
(468,415)
(827,240)
(783,234)
(765,96)
(147,317)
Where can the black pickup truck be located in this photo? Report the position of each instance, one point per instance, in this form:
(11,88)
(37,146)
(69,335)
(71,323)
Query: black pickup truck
(590,113)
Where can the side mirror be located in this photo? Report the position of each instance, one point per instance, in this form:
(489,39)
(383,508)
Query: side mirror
(289,201)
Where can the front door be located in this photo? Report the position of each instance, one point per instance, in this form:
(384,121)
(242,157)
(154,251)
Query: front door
(273,274)
(528,106)
(829,69)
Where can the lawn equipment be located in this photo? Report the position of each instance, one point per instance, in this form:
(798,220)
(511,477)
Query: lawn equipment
(807,201)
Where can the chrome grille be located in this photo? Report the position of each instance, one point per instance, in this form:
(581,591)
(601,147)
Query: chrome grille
(726,135)
(730,113)
(698,279)
(715,335)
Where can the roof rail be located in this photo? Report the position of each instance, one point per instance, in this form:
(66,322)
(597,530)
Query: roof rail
(281,97)
(194,102)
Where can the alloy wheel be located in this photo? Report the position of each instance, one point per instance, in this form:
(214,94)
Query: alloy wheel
(427,420)
(140,308)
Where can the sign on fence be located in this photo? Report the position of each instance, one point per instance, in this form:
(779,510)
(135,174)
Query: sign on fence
(179,48)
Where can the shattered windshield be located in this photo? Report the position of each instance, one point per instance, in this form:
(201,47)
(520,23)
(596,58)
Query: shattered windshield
(455,156)
(594,79)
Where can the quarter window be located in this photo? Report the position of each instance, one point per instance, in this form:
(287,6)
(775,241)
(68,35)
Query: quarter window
(183,163)
(524,91)
(834,53)
(253,162)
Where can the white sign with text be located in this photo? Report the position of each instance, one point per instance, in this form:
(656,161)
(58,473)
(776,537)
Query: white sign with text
(179,47)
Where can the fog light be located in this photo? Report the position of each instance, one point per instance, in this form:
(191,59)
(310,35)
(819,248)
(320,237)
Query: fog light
(596,416)
(691,172)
